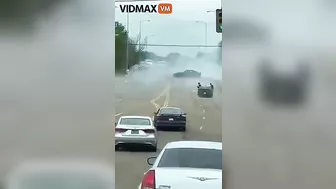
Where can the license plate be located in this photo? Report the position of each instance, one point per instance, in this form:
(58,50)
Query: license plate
(135,132)
(171,119)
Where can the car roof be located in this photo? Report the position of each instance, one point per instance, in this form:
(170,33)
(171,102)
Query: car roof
(170,108)
(194,144)
(139,117)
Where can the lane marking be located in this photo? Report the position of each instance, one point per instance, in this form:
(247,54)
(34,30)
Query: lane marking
(201,105)
(166,102)
(155,104)
(165,92)
(119,100)
(203,111)
(203,117)
(118,114)
(201,127)
(161,94)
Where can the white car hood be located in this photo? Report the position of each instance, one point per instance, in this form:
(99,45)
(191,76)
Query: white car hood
(182,178)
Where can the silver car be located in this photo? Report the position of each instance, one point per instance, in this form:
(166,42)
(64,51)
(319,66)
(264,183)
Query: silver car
(135,130)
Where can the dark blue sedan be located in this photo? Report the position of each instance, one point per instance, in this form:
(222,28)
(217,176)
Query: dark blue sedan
(170,118)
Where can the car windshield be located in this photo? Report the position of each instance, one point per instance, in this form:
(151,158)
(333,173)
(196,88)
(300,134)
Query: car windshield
(134,121)
(170,111)
(192,158)
(55,181)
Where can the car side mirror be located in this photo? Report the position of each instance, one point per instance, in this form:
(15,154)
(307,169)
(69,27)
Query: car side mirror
(115,123)
(151,160)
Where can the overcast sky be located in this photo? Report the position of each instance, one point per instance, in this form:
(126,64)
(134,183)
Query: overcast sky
(290,21)
(178,28)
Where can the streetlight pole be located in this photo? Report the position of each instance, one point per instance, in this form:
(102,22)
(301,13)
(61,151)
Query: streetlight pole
(205,33)
(147,40)
(140,30)
(206,36)
(127,27)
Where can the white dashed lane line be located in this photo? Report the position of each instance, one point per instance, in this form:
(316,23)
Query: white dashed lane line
(203,116)
(202,110)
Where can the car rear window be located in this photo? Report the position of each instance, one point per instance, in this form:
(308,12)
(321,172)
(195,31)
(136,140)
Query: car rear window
(192,158)
(134,121)
(170,111)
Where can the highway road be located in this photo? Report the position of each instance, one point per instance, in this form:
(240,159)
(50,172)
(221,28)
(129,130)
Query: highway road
(204,119)
(265,146)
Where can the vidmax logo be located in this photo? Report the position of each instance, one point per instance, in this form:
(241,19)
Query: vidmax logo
(162,8)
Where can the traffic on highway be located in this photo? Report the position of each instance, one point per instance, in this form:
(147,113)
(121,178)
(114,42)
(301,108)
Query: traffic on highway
(165,100)
(275,117)
(168,128)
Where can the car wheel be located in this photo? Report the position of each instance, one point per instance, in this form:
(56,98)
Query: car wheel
(183,128)
(117,148)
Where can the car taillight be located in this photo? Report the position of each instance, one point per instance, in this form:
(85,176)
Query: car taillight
(117,130)
(149,131)
(148,181)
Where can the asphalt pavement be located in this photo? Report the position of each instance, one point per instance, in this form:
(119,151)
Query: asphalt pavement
(265,146)
(203,119)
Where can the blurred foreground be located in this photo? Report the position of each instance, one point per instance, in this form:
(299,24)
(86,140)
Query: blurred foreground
(56,98)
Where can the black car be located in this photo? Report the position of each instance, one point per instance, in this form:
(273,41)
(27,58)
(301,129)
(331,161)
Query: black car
(170,118)
(289,88)
(205,91)
(188,73)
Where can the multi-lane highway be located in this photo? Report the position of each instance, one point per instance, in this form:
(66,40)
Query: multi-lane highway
(265,146)
(139,98)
